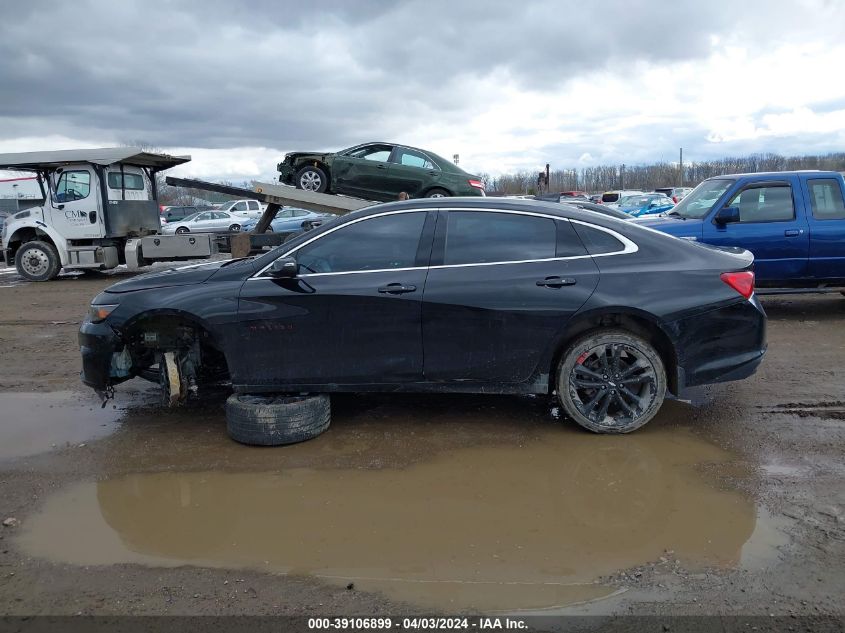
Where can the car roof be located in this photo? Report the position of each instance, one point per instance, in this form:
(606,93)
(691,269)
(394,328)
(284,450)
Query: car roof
(779,174)
(559,209)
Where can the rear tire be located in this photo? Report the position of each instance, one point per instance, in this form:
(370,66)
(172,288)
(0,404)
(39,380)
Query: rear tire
(38,261)
(182,230)
(276,420)
(611,381)
(235,228)
(437,193)
(312,179)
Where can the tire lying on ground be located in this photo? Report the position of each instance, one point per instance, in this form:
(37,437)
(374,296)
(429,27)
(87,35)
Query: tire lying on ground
(276,420)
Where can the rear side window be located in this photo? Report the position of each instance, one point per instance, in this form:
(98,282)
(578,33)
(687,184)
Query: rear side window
(568,242)
(609,197)
(134,182)
(478,237)
(253,205)
(598,242)
(826,199)
(765,204)
(380,243)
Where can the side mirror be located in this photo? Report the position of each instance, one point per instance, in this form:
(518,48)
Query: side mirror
(727,215)
(284,268)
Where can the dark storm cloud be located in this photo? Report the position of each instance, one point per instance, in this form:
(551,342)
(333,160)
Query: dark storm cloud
(283,74)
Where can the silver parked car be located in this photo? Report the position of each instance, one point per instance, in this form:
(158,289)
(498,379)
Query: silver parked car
(206,222)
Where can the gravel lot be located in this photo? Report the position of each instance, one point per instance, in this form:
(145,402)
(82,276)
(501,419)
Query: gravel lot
(732,502)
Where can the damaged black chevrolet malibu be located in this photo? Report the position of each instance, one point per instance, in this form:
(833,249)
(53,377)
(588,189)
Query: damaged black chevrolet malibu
(459,295)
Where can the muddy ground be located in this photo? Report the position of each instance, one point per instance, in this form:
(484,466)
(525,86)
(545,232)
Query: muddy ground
(732,502)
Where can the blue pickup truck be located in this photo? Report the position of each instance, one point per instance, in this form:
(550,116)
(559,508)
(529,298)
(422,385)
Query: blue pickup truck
(793,222)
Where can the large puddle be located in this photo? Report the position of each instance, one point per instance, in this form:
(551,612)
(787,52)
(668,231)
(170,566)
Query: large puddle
(31,423)
(488,526)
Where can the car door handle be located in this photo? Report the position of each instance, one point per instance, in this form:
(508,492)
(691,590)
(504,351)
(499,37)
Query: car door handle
(396,289)
(556,282)
(381,167)
(792,232)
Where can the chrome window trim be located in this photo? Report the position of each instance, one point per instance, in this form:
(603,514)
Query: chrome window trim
(628,245)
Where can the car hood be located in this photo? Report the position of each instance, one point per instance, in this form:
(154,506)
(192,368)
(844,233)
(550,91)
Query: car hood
(294,156)
(181,276)
(673,225)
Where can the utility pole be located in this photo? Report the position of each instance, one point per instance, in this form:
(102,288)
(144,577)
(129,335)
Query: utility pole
(622,176)
(17,200)
(681,168)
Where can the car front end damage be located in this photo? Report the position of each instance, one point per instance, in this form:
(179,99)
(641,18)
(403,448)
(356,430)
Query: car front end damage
(165,349)
(105,356)
(294,161)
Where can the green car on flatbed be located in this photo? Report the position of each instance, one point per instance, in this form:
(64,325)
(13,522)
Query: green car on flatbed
(378,171)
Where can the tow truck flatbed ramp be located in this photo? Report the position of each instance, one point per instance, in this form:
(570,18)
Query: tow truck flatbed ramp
(275,196)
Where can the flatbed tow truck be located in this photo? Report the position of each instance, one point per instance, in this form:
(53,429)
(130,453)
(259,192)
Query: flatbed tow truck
(98,210)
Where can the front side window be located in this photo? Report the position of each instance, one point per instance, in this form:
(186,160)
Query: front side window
(73,185)
(379,153)
(240,206)
(826,199)
(477,237)
(130,181)
(380,243)
(284,213)
(764,204)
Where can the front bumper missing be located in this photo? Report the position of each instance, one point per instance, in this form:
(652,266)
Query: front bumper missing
(105,358)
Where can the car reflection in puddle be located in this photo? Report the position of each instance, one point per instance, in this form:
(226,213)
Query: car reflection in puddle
(487,526)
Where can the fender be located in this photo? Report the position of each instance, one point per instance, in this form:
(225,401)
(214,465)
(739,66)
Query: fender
(585,319)
(15,227)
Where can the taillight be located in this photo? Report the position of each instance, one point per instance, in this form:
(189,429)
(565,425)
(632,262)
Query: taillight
(475,183)
(742,282)
(675,199)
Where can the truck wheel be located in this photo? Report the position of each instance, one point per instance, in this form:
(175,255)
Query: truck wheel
(611,382)
(182,230)
(276,420)
(38,261)
(437,193)
(312,179)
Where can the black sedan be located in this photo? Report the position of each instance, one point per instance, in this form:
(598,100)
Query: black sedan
(459,295)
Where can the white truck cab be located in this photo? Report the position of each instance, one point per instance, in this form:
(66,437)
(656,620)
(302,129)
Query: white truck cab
(98,211)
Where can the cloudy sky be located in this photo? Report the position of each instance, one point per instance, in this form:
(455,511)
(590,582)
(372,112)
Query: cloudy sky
(506,84)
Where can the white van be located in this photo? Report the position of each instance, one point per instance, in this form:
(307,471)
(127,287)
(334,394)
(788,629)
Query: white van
(612,197)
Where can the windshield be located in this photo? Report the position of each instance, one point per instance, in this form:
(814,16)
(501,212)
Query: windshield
(697,203)
(633,201)
(226,206)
